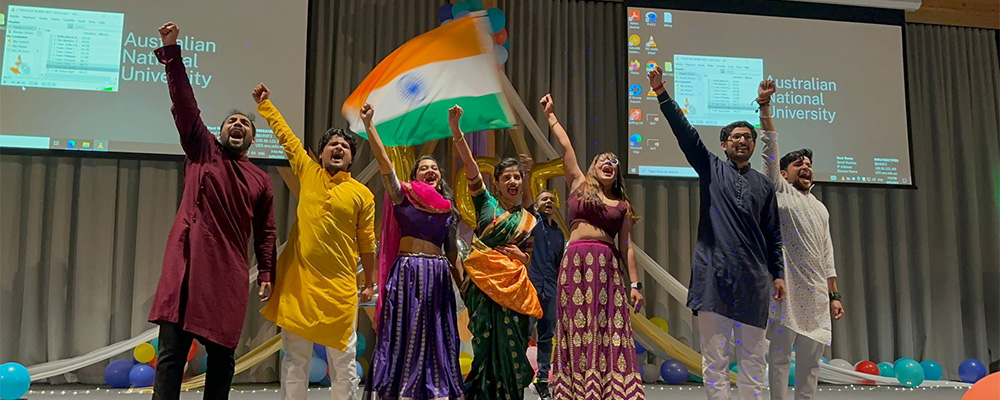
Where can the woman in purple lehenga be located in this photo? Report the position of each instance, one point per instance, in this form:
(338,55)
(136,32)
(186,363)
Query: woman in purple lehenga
(416,351)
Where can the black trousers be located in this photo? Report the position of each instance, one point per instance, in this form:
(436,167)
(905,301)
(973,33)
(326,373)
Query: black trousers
(544,328)
(174,346)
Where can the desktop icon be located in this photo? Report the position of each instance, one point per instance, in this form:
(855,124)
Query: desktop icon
(70,144)
(650,65)
(634,40)
(635,140)
(634,65)
(634,89)
(651,17)
(668,66)
(651,44)
(668,18)
(633,15)
(635,114)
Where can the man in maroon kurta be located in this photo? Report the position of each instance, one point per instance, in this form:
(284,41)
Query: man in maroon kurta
(202,292)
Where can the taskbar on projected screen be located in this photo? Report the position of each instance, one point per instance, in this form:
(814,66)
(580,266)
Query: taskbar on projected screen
(665,172)
(881,178)
(258,150)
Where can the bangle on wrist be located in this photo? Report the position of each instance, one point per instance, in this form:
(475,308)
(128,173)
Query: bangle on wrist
(658,87)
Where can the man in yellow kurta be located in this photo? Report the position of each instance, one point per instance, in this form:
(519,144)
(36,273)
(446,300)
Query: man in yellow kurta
(315,296)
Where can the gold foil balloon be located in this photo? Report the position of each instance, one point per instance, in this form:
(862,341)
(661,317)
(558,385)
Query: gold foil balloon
(402,158)
(542,172)
(463,200)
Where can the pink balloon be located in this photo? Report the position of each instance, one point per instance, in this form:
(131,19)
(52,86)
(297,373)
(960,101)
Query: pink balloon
(532,355)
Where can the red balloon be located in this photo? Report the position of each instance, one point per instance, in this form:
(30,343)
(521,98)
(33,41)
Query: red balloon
(193,352)
(152,363)
(867,367)
(500,37)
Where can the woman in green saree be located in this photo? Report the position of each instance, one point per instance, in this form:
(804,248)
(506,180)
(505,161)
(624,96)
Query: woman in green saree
(501,297)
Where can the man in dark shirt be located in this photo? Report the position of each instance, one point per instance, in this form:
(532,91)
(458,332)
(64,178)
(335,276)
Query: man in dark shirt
(547,245)
(738,261)
(202,293)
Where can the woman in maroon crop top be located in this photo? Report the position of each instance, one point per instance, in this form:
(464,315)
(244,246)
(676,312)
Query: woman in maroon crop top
(593,326)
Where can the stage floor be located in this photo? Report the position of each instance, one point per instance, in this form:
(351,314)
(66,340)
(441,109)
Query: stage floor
(653,392)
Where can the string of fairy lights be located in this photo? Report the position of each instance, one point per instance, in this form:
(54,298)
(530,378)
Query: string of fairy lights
(648,387)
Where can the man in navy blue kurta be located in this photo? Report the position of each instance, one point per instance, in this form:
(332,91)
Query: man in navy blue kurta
(738,261)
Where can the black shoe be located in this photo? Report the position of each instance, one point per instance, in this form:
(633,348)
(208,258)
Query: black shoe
(542,387)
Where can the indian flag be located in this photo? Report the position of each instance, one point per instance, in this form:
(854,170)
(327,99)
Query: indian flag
(414,86)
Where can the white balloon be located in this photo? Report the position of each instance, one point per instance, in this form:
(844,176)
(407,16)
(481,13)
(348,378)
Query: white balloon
(650,373)
(841,363)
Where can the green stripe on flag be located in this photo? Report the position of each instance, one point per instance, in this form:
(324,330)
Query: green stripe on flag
(431,122)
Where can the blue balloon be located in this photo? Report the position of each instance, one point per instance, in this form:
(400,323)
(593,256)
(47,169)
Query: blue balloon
(141,376)
(501,53)
(475,5)
(116,374)
(909,372)
(361,371)
(695,378)
(460,7)
(497,19)
(317,370)
(638,347)
(325,382)
(673,372)
(971,371)
(506,45)
(735,367)
(791,375)
(319,351)
(156,344)
(361,345)
(14,381)
(885,369)
(444,13)
(932,370)
(824,360)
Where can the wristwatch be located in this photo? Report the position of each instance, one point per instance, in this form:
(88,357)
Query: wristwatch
(637,285)
(835,296)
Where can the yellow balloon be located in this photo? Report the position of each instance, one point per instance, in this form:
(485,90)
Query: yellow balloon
(466,365)
(463,200)
(660,323)
(144,353)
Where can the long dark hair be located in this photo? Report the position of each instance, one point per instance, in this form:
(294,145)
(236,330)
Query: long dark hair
(591,189)
(443,187)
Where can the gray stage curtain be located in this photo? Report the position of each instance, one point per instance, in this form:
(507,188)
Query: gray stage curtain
(81,240)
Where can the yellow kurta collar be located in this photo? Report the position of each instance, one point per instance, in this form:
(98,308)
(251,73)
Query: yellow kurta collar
(340,177)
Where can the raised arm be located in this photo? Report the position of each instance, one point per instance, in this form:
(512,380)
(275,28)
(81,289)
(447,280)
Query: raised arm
(385,164)
(769,138)
(464,152)
(574,175)
(196,140)
(294,150)
(687,137)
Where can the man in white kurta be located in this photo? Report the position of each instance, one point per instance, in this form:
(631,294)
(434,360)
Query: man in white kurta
(802,321)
